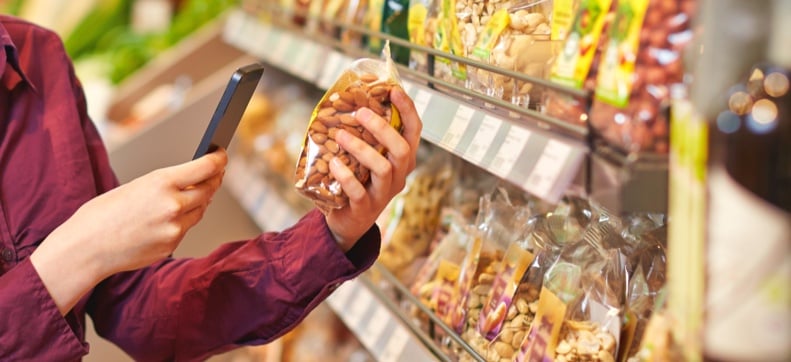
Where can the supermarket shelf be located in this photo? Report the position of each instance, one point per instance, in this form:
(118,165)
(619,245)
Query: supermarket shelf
(630,184)
(542,162)
(367,311)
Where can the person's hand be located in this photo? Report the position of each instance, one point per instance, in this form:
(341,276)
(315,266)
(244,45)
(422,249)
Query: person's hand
(388,172)
(129,227)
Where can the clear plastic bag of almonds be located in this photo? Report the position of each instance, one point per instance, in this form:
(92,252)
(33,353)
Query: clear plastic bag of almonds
(366,83)
(414,217)
(580,308)
(640,63)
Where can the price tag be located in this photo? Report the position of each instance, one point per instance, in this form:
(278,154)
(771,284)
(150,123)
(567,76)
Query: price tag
(251,195)
(547,169)
(457,127)
(422,100)
(340,297)
(311,58)
(358,306)
(329,74)
(407,87)
(373,330)
(280,49)
(509,152)
(483,139)
(282,213)
(233,174)
(395,345)
(235,26)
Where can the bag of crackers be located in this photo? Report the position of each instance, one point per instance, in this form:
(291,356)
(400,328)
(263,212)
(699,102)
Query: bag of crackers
(365,84)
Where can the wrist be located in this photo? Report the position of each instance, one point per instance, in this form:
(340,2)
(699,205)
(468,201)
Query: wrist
(67,272)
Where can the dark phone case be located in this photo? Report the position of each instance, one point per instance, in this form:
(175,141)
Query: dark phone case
(230,109)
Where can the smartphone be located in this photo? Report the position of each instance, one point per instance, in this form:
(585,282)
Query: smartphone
(229,111)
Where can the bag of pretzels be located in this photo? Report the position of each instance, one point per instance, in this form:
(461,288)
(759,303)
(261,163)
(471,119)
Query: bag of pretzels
(366,83)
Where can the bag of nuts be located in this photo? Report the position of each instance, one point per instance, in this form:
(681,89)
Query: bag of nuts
(642,60)
(408,230)
(589,282)
(577,62)
(515,38)
(367,83)
(499,224)
(421,28)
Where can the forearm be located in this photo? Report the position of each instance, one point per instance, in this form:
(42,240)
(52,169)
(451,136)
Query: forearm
(68,272)
(246,292)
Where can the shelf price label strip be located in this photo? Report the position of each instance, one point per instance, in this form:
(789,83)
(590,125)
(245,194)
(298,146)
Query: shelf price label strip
(374,325)
(257,197)
(502,147)
(543,165)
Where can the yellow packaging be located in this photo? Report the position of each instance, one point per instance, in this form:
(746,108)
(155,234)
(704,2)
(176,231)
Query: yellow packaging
(542,339)
(574,62)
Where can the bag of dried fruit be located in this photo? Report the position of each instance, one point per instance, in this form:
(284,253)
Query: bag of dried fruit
(366,83)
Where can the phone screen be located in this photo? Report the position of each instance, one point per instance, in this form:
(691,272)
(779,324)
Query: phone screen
(229,111)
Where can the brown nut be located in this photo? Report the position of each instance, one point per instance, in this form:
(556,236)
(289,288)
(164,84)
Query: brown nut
(504,349)
(342,106)
(369,77)
(318,137)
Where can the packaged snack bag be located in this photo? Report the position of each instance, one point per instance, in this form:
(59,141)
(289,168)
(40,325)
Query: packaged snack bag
(488,294)
(588,281)
(641,61)
(353,13)
(576,63)
(414,219)
(515,37)
(646,282)
(421,29)
(450,38)
(367,83)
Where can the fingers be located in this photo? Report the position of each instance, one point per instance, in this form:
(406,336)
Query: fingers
(413,126)
(197,171)
(349,183)
(199,195)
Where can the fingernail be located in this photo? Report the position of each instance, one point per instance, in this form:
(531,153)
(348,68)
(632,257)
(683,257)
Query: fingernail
(364,114)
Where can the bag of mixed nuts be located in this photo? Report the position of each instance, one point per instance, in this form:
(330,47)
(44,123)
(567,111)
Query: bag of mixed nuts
(367,83)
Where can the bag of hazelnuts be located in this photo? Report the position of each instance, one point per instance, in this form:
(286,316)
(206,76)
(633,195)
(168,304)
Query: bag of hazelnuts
(641,62)
(366,83)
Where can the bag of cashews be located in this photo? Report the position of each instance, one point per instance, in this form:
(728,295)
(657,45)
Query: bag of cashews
(366,83)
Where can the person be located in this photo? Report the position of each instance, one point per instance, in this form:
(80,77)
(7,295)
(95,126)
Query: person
(74,242)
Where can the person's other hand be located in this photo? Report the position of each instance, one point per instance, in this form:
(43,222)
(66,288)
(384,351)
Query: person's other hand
(388,172)
(126,228)
(144,220)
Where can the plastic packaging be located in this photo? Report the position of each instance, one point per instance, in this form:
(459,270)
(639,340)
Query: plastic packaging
(366,83)
(576,64)
(641,61)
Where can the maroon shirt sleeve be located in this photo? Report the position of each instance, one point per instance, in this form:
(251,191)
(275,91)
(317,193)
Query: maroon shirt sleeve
(246,292)
(53,160)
